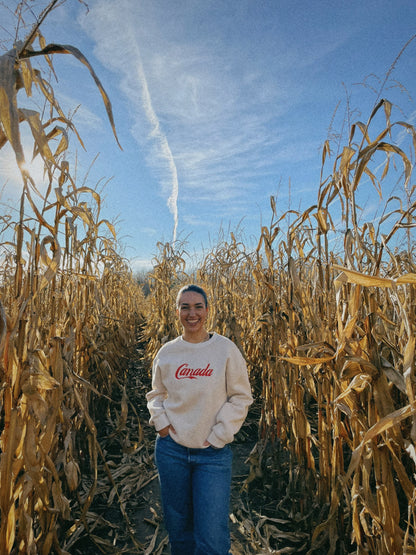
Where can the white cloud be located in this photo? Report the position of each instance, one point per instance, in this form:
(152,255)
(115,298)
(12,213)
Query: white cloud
(211,110)
(159,141)
(146,126)
(139,265)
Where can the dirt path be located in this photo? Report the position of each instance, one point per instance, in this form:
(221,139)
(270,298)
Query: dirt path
(126,516)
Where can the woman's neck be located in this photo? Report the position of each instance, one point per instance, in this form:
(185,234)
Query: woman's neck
(199,337)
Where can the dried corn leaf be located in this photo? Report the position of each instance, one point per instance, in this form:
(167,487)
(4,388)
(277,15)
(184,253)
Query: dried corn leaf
(406,278)
(51,263)
(41,144)
(9,522)
(3,327)
(40,381)
(9,116)
(382,425)
(308,361)
(68,49)
(362,279)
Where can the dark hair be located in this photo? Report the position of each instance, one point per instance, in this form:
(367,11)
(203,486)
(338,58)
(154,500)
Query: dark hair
(195,289)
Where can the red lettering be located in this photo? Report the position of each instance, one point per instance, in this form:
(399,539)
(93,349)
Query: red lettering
(184,371)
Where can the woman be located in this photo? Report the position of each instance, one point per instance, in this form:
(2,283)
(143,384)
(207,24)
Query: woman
(199,399)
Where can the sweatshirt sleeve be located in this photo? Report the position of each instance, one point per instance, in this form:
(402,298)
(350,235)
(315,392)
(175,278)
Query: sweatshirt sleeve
(232,414)
(155,399)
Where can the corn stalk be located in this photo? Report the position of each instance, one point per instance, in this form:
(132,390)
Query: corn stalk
(69,311)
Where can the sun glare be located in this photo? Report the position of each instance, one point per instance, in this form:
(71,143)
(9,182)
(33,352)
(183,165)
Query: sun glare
(11,180)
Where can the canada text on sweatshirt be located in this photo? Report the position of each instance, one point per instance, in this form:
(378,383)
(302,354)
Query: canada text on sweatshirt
(201,389)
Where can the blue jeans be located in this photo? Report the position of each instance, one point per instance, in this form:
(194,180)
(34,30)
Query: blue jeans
(195,488)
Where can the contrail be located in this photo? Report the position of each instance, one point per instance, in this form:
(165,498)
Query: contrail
(162,142)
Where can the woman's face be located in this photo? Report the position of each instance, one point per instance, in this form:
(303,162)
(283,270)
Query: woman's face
(192,312)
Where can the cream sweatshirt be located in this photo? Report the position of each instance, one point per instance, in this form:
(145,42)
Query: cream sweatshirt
(201,389)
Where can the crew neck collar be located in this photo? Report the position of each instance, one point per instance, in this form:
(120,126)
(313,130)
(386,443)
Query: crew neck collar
(211,335)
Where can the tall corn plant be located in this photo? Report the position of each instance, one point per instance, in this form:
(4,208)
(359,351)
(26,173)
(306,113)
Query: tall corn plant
(374,351)
(349,341)
(284,319)
(225,273)
(165,280)
(69,306)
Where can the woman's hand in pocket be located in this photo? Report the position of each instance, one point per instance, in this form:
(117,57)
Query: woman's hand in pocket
(164,432)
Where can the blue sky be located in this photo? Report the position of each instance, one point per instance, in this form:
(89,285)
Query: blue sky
(219,104)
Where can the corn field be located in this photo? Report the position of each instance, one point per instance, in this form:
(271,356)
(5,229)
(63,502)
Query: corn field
(324,310)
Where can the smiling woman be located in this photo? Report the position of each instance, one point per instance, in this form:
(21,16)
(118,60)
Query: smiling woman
(199,400)
(192,309)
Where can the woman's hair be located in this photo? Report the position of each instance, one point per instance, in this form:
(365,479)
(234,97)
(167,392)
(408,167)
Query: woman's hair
(195,289)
